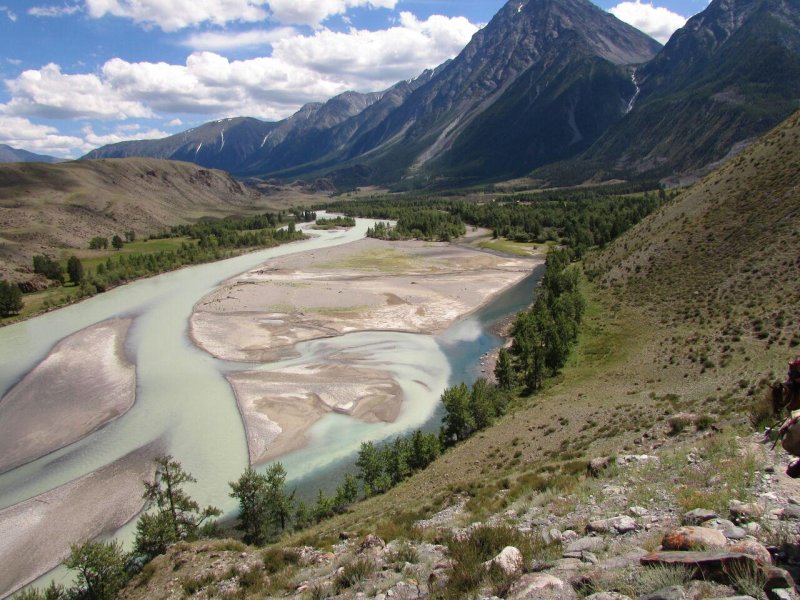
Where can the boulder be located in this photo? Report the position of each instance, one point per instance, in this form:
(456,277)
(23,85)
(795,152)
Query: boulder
(729,530)
(608,596)
(754,549)
(673,592)
(615,525)
(698,516)
(693,538)
(509,561)
(586,544)
(541,587)
(744,513)
(372,542)
(710,565)
(791,512)
(597,465)
(778,579)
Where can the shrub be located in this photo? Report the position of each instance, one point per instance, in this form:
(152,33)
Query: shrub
(353,573)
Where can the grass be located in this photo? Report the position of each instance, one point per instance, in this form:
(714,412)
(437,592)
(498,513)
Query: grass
(383,260)
(516,248)
(353,573)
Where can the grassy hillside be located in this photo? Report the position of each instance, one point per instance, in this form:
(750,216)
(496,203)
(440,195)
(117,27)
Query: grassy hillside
(46,208)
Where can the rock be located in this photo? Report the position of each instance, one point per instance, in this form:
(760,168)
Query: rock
(673,592)
(711,565)
(371,542)
(616,525)
(791,512)
(550,535)
(569,535)
(698,516)
(509,561)
(347,535)
(608,596)
(743,513)
(778,579)
(541,587)
(753,529)
(693,538)
(638,511)
(568,564)
(598,465)
(781,594)
(754,549)
(729,530)
(586,544)
(589,557)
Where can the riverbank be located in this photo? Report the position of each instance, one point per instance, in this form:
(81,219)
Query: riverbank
(369,285)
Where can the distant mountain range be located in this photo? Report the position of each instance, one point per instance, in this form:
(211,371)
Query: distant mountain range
(559,88)
(12,155)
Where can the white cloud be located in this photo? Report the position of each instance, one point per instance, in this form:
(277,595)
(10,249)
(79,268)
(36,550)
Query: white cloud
(314,12)
(53,11)
(656,21)
(21,133)
(224,40)
(9,13)
(301,69)
(49,93)
(175,123)
(172,15)
(121,134)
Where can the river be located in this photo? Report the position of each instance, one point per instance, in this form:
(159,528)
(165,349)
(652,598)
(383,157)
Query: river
(184,401)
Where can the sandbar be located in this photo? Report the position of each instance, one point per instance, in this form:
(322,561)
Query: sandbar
(370,285)
(73,514)
(85,382)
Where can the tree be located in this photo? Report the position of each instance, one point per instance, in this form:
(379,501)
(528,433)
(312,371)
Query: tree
(116,241)
(458,421)
(425,448)
(130,236)
(346,493)
(98,243)
(46,266)
(75,270)
(370,467)
(154,534)
(504,370)
(10,298)
(280,503)
(100,567)
(250,491)
(181,514)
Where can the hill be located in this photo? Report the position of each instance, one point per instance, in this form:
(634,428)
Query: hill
(11,155)
(47,208)
(690,314)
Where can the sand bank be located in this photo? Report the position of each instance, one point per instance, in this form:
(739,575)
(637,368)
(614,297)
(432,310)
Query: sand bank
(260,316)
(85,382)
(73,515)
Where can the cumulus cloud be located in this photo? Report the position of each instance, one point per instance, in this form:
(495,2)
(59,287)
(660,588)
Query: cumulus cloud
(656,21)
(175,123)
(47,92)
(53,11)
(301,69)
(21,133)
(120,134)
(172,15)
(225,40)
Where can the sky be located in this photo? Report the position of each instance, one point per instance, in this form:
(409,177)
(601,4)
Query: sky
(79,74)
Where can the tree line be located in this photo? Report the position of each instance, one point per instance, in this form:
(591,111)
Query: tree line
(430,225)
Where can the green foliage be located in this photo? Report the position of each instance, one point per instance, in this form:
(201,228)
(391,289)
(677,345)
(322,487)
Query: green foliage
(177,516)
(421,224)
(504,370)
(353,573)
(470,410)
(333,223)
(98,243)
(52,592)
(264,506)
(75,270)
(116,242)
(10,299)
(100,568)
(48,267)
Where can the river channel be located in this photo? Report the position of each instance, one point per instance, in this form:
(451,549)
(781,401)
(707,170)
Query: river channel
(185,404)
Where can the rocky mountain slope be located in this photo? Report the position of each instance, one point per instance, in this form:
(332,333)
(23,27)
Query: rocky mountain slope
(46,208)
(731,74)
(643,443)
(11,155)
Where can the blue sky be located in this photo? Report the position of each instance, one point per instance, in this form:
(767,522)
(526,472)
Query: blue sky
(77,74)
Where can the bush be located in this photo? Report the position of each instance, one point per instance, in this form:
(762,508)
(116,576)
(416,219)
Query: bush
(10,299)
(353,573)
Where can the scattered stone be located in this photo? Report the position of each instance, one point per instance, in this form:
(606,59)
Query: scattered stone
(744,513)
(541,587)
(791,512)
(753,529)
(729,530)
(589,557)
(673,592)
(693,538)
(568,564)
(616,525)
(569,536)
(754,549)
(371,542)
(509,561)
(698,516)
(608,596)
(597,465)
(586,544)
(638,511)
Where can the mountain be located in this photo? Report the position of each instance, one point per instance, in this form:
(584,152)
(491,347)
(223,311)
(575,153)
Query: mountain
(729,75)
(12,155)
(47,208)
(231,143)
(540,82)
